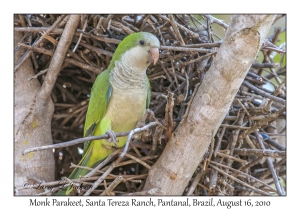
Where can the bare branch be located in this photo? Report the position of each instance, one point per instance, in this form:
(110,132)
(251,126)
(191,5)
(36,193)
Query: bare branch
(58,59)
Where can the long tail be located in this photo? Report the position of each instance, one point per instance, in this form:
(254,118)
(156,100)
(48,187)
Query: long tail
(77,172)
(96,152)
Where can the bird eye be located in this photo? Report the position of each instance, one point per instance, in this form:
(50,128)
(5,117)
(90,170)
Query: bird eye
(142,42)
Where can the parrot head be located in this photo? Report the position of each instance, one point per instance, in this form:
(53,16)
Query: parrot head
(137,50)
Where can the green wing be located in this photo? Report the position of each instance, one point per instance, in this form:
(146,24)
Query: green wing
(100,95)
(148,95)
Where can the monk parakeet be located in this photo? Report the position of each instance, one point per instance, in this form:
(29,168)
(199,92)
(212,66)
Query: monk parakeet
(119,98)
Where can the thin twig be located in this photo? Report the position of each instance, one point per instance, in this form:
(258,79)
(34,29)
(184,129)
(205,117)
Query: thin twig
(215,20)
(174,25)
(234,126)
(259,152)
(38,74)
(263,93)
(261,123)
(271,166)
(194,183)
(154,191)
(57,60)
(78,141)
(232,158)
(239,181)
(80,37)
(185,49)
(103,163)
(112,185)
(240,172)
(138,161)
(38,42)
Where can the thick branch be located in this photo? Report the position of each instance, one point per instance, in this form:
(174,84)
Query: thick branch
(58,59)
(211,103)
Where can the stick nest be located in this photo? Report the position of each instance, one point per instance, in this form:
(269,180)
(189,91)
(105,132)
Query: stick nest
(188,48)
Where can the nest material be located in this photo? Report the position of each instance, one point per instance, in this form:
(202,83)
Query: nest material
(188,48)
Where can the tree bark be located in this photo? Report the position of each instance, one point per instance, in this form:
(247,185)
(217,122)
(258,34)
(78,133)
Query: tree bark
(33,113)
(211,103)
(31,129)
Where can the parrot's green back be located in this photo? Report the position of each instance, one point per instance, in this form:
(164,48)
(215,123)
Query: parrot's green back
(119,98)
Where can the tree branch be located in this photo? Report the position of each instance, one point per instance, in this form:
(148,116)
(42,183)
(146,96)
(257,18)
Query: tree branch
(211,103)
(28,53)
(82,140)
(57,60)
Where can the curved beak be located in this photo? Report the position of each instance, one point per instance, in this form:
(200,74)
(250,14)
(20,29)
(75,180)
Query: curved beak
(153,55)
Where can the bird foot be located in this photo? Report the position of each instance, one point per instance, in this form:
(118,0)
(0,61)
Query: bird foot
(112,138)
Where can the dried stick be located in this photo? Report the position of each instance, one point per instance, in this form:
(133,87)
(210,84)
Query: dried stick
(60,30)
(203,45)
(96,49)
(193,34)
(168,121)
(112,185)
(229,157)
(211,149)
(138,161)
(80,37)
(219,141)
(267,173)
(249,165)
(38,74)
(75,62)
(259,152)
(72,142)
(239,181)
(240,172)
(271,166)
(261,123)
(38,42)
(281,86)
(263,93)
(234,126)
(274,49)
(197,59)
(275,144)
(77,141)
(194,184)
(215,20)
(154,191)
(57,60)
(186,49)
(103,163)
(177,33)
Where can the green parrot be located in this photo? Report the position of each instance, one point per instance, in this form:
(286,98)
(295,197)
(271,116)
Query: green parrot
(119,98)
